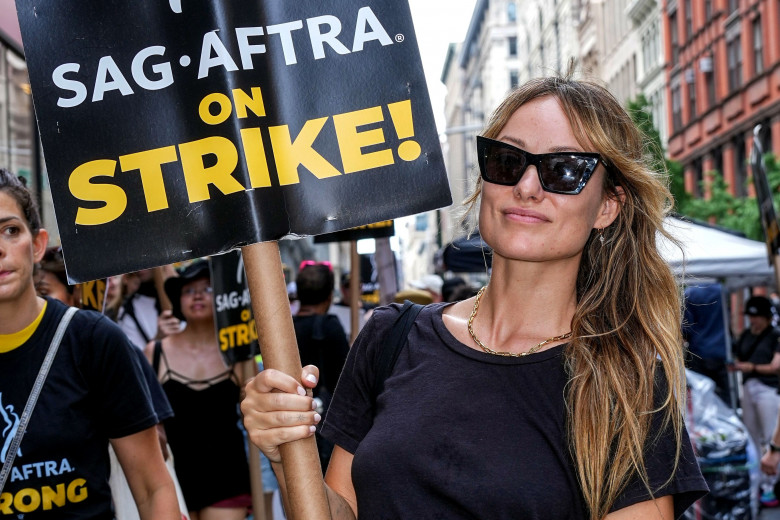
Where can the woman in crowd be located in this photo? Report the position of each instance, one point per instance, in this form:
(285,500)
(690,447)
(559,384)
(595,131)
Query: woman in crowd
(556,392)
(94,393)
(204,435)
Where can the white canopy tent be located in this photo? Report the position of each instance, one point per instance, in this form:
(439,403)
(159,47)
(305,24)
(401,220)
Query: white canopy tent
(710,253)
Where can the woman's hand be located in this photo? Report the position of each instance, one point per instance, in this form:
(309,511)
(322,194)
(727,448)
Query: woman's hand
(744,366)
(277,409)
(769,462)
(167,324)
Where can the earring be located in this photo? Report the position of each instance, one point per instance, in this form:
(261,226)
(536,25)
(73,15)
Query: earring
(601,236)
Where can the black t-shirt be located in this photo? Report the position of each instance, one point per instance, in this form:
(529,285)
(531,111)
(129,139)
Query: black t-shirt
(461,434)
(95,391)
(322,342)
(759,349)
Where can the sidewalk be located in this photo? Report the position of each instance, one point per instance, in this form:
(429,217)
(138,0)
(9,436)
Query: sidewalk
(769,514)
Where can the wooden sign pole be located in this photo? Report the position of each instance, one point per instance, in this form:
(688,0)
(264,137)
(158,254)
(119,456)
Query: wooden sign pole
(248,371)
(355,291)
(302,471)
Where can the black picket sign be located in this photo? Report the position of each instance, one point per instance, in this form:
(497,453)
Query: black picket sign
(176,130)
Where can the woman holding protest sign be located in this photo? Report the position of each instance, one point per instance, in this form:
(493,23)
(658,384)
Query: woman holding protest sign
(69,385)
(204,435)
(557,391)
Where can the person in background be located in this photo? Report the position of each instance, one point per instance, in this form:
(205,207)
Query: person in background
(757,355)
(342,309)
(704,329)
(94,395)
(417,296)
(204,433)
(137,316)
(321,338)
(558,391)
(114,296)
(463,292)
(55,287)
(449,286)
(432,283)
(140,315)
(50,277)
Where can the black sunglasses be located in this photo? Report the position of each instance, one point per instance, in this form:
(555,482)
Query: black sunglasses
(565,172)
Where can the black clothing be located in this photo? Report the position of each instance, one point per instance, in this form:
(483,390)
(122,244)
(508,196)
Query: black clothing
(461,434)
(758,349)
(322,342)
(204,435)
(95,391)
(159,400)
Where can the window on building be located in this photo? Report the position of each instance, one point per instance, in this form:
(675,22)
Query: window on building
(733,5)
(688,19)
(514,79)
(421,222)
(707,10)
(734,52)
(676,107)
(691,80)
(717,160)
(650,48)
(511,12)
(698,178)
(709,78)
(513,46)
(675,36)
(758,46)
(657,111)
(740,167)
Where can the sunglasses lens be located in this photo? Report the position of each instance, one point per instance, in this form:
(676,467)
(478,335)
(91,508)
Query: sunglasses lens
(503,165)
(565,173)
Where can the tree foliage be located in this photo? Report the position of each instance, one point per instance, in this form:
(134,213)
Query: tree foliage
(723,208)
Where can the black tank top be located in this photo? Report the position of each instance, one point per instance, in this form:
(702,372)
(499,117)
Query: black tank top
(205,436)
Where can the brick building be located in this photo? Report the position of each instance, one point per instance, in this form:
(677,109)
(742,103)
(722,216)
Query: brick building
(723,78)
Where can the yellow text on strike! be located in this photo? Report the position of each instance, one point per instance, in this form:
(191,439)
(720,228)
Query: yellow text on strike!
(288,153)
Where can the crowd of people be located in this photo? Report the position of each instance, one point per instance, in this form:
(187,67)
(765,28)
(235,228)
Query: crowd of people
(754,355)
(554,391)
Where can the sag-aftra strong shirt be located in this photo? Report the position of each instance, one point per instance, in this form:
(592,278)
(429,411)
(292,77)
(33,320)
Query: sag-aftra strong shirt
(94,391)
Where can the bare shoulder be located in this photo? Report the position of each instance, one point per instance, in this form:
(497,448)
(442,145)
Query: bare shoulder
(458,311)
(456,317)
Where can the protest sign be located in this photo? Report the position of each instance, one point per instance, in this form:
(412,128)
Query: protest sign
(236,332)
(766,205)
(174,131)
(92,295)
(376,230)
(177,130)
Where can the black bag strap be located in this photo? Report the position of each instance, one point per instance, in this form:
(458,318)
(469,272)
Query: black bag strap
(753,346)
(130,311)
(395,342)
(156,357)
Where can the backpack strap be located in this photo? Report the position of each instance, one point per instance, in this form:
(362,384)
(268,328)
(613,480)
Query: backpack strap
(156,357)
(395,342)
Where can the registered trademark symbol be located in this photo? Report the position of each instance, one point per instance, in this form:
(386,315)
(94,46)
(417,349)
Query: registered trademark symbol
(399,38)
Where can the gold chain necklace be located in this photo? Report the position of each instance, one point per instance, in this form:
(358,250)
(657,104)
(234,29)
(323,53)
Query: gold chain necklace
(489,350)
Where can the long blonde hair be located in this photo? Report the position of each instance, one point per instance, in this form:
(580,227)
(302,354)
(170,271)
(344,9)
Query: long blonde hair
(625,358)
